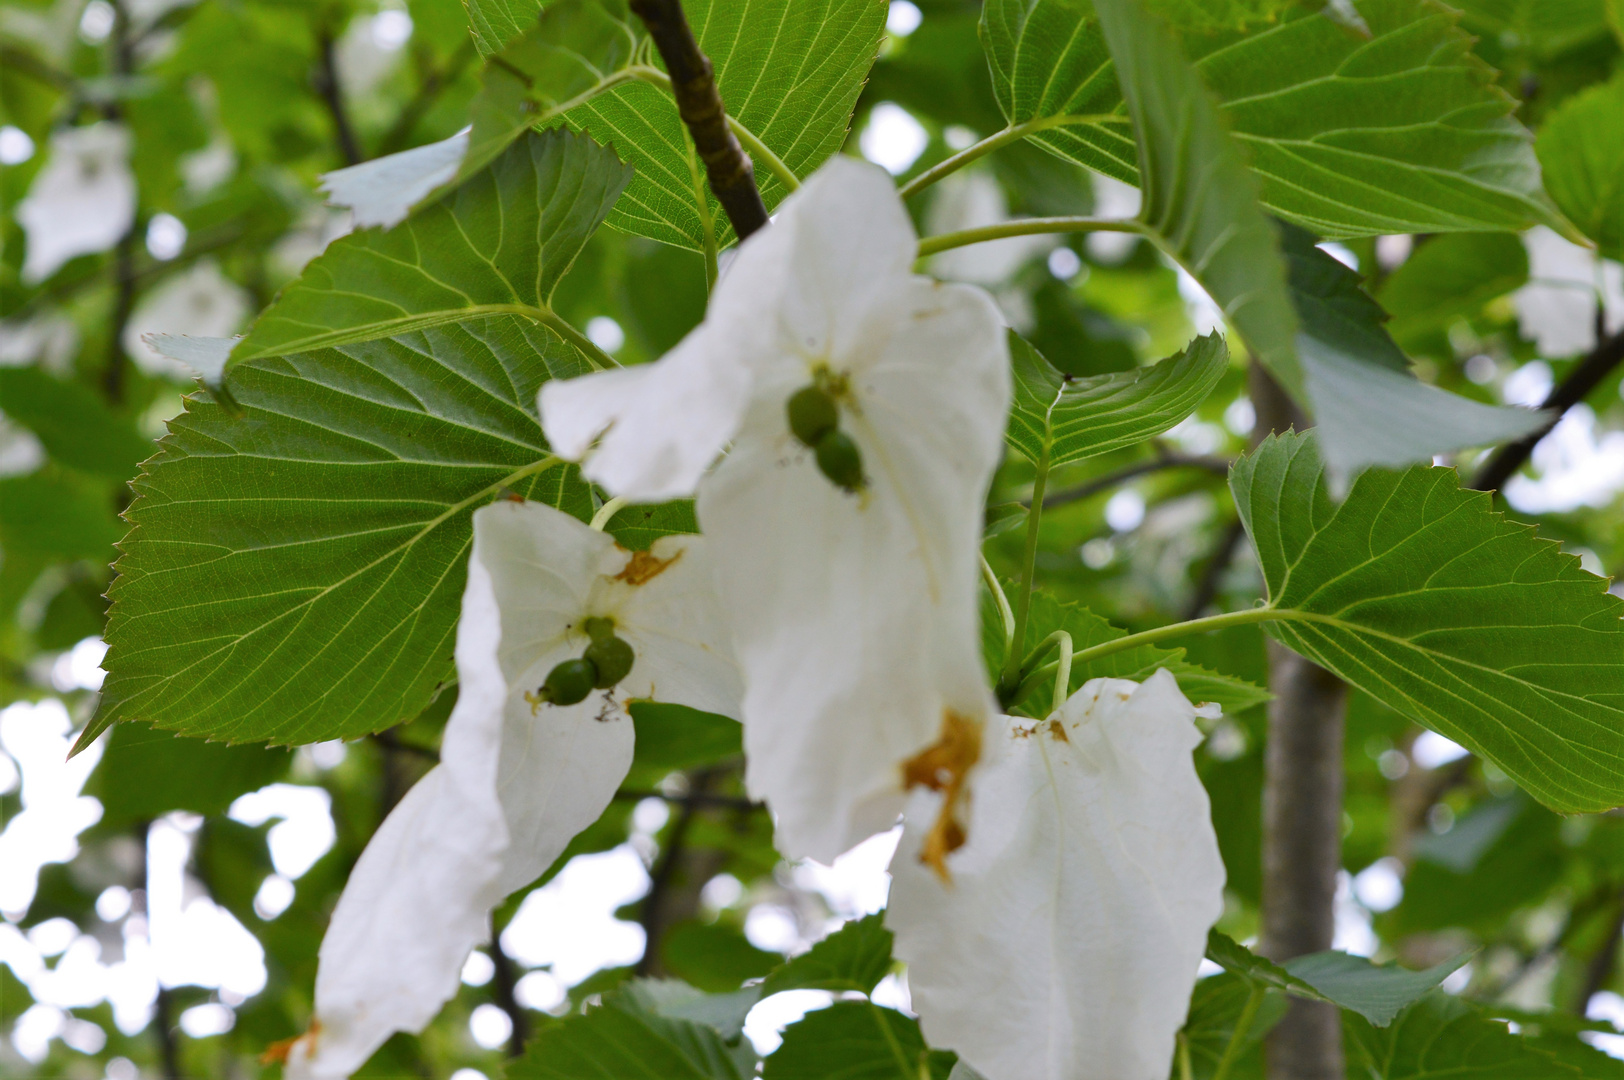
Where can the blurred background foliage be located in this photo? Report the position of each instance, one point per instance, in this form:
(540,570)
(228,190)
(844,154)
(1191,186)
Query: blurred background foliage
(163,899)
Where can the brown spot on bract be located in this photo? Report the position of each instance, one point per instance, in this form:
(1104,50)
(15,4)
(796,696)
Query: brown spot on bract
(643,567)
(944,766)
(277,1053)
(1057,730)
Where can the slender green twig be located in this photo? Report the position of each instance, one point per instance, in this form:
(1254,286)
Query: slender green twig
(1002,601)
(1062,675)
(1010,680)
(557,323)
(930,245)
(1237,1038)
(1175,630)
(1013,133)
(606,512)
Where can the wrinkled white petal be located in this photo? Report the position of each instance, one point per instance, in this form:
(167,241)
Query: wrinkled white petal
(204,357)
(82,201)
(197,303)
(1068,942)
(662,424)
(855,616)
(515,783)
(384,190)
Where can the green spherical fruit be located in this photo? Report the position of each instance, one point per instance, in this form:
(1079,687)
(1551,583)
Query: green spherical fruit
(569,682)
(612,658)
(812,414)
(597,627)
(840,460)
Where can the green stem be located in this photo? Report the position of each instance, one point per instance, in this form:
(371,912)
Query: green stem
(758,149)
(1023,599)
(1013,133)
(1237,1038)
(556,323)
(606,513)
(1185,1072)
(930,245)
(1178,630)
(1062,675)
(1002,601)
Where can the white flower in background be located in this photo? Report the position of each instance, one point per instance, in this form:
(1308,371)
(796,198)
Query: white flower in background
(1557,308)
(1068,942)
(971,200)
(518,777)
(200,302)
(50,340)
(848,571)
(82,201)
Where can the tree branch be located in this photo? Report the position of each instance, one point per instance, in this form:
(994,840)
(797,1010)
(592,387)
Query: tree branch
(1585,377)
(699,103)
(1217,465)
(327,85)
(434,84)
(1206,588)
(502,989)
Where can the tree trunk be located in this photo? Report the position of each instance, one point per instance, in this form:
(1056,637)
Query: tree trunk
(1302,816)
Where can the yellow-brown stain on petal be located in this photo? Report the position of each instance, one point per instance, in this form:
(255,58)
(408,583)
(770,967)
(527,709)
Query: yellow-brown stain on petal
(277,1053)
(944,767)
(644,566)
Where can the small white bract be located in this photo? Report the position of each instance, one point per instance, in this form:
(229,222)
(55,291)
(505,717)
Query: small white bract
(516,780)
(854,608)
(1067,945)
(82,201)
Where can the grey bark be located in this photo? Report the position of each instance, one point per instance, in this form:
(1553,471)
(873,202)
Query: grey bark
(1302,816)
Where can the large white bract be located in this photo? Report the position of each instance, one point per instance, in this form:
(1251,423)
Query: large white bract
(854,614)
(515,782)
(1067,943)
(81,202)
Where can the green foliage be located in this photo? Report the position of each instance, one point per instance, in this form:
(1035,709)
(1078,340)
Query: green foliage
(336,516)
(1398,128)
(1057,419)
(1215,1009)
(1419,594)
(1444,1036)
(1581,149)
(714,957)
(856,1040)
(622,1037)
(143,774)
(1451,276)
(854,958)
(75,426)
(496,245)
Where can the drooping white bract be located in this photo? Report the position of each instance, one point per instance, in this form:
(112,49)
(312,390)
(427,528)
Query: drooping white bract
(516,781)
(1067,944)
(197,303)
(82,201)
(854,615)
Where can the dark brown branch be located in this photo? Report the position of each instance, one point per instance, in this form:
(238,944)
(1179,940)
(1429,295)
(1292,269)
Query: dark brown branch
(434,84)
(23,62)
(504,980)
(1600,970)
(1216,465)
(163,1011)
(325,78)
(123,305)
(1585,377)
(699,103)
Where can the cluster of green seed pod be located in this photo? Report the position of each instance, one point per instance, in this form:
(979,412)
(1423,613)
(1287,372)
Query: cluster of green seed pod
(814,419)
(606,661)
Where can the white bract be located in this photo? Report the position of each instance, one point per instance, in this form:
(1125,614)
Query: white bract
(517,779)
(199,303)
(854,613)
(81,202)
(1067,943)
(384,190)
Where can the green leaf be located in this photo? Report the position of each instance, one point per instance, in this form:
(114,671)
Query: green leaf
(1200,202)
(1451,276)
(1443,1036)
(143,774)
(1421,595)
(1396,129)
(1377,993)
(1215,1008)
(295,573)
(494,23)
(789,72)
(1370,409)
(678,1001)
(1058,419)
(496,245)
(1046,615)
(573,51)
(72,423)
(1546,27)
(855,957)
(714,957)
(622,1038)
(672,737)
(856,1040)
(1581,149)
(58,515)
